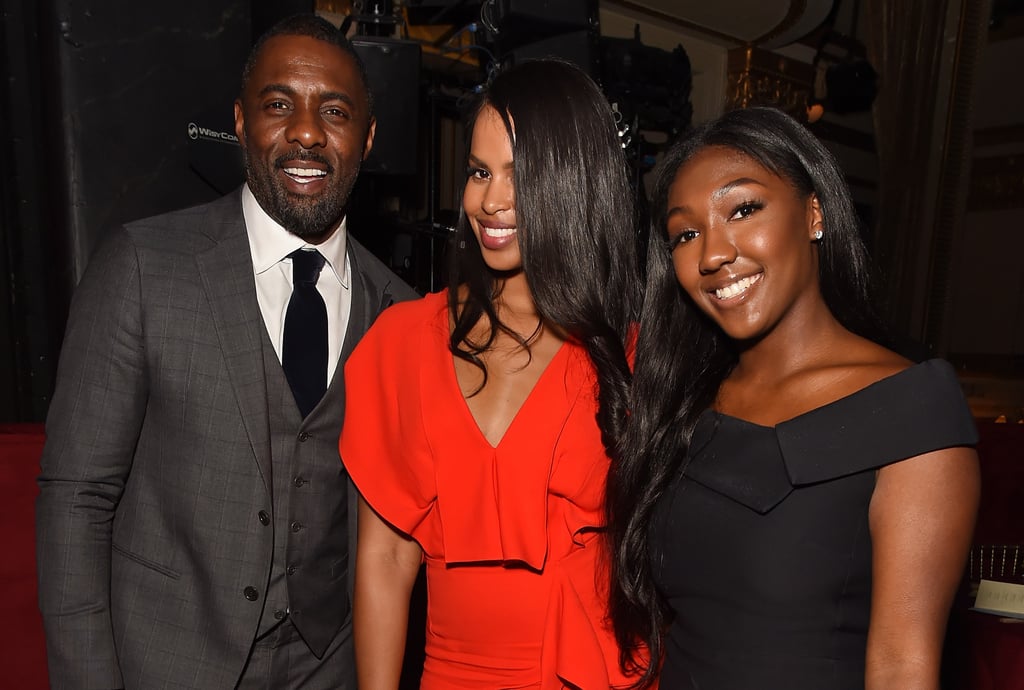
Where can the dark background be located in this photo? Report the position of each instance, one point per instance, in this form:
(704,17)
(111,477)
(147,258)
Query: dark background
(95,114)
(112,111)
(120,110)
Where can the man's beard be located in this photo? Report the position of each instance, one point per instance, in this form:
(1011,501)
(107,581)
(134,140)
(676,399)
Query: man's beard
(307,217)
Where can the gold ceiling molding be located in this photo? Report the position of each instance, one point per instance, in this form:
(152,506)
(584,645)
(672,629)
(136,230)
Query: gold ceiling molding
(796,11)
(765,23)
(652,13)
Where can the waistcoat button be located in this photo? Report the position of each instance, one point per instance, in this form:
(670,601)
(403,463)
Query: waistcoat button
(251,594)
(264,518)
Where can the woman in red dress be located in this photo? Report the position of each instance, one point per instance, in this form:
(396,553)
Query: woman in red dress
(480,419)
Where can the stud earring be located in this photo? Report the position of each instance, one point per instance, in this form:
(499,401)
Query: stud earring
(818,234)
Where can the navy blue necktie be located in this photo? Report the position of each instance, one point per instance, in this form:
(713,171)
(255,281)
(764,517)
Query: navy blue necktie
(304,351)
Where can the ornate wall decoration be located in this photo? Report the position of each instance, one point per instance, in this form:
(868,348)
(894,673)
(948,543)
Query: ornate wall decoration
(760,77)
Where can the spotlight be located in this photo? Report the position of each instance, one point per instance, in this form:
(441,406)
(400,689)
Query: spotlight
(815,110)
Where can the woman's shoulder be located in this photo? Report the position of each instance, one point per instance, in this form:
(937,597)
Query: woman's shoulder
(839,369)
(405,328)
(900,382)
(863,372)
(914,410)
(849,366)
(862,362)
(413,314)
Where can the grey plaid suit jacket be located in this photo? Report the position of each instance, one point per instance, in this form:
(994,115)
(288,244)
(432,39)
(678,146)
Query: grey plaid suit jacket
(157,460)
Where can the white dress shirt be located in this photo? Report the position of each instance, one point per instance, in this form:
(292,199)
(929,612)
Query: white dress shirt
(270,245)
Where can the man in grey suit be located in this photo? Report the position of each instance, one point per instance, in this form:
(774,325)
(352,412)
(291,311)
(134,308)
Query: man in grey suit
(194,517)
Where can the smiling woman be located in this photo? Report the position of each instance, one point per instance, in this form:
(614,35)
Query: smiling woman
(482,418)
(794,502)
(488,200)
(731,222)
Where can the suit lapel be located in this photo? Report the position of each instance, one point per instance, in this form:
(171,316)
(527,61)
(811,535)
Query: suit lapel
(227,275)
(361,313)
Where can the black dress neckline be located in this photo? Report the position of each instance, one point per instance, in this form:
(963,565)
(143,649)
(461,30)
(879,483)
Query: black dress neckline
(899,416)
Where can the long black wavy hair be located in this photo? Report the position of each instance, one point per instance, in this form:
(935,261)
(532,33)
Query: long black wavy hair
(682,356)
(576,228)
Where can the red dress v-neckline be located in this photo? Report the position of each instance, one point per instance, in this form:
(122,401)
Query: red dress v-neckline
(535,391)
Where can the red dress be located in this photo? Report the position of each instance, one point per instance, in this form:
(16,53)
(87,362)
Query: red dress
(515,569)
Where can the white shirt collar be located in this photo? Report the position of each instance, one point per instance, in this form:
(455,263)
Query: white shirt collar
(269,242)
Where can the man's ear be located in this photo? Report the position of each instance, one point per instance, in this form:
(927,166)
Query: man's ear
(368,146)
(239,123)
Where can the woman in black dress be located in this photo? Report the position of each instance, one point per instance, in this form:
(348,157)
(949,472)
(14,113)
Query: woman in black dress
(795,502)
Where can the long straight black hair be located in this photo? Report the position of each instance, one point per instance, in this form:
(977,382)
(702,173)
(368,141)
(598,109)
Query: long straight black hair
(576,227)
(683,357)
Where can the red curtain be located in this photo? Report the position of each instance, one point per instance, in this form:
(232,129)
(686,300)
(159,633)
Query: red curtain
(22,649)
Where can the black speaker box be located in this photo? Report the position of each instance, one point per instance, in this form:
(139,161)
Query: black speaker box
(578,47)
(456,12)
(569,14)
(522,21)
(393,68)
(132,82)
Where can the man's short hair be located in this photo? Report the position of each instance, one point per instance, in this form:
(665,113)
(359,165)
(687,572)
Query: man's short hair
(312,26)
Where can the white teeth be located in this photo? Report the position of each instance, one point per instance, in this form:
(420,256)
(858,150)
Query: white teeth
(499,232)
(737,288)
(305,172)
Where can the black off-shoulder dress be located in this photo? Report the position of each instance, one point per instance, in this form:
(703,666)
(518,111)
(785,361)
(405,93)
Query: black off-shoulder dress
(761,545)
